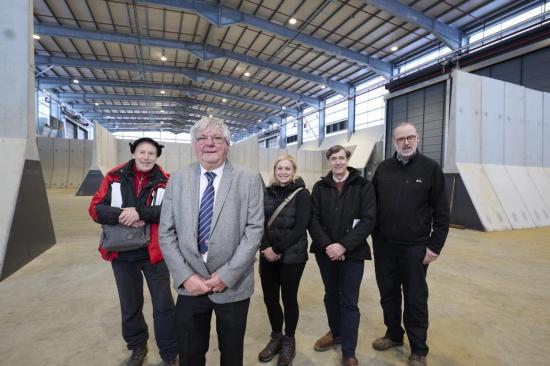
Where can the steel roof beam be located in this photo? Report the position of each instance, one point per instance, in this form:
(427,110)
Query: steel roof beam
(54,82)
(449,35)
(203,52)
(91,108)
(181,100)
(222,16)
(198,76)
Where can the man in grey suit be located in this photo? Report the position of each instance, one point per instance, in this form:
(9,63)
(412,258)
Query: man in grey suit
(211,226)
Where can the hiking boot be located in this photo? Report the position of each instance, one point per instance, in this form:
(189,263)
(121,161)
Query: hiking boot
(417,360)
(326,341)
(349,361)
(273,347)
(138,356)
(384,343)
(288,351)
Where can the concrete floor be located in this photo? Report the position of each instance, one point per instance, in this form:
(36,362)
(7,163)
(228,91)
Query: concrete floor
(488,304)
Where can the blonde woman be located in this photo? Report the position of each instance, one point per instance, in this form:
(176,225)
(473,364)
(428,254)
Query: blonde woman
(283,256)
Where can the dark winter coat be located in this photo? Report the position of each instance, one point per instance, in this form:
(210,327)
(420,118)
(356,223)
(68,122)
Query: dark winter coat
(287,235)
(333,215)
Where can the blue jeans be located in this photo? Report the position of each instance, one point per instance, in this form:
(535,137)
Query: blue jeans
(342,282)
(129,281)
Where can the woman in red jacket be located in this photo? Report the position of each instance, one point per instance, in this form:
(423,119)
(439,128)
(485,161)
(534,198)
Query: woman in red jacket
(131,194)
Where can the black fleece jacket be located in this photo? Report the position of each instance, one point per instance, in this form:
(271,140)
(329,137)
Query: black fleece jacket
(333,215)
(412,203)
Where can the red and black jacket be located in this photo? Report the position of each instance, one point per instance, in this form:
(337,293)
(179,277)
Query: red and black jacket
(147,204)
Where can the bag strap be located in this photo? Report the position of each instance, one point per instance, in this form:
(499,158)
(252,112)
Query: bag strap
(282,205)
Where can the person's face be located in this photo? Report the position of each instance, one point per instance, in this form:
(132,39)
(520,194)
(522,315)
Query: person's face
(145,156)
(405,140)
(338,163)
(284,172)
(211,148)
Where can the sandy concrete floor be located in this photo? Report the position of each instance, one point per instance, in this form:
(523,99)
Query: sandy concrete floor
(489,296)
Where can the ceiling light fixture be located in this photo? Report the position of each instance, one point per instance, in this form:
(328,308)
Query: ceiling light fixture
(394,48)
(283,108)
(247,74)
(323,86)
(96,103)
(36,36)
(224,100)
(292,21)
(210,116)
(163,58)
(75,81)
(162,92)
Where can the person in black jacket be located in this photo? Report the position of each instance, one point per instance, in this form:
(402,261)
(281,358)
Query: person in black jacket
(342,217)
(283,256)
(411,228)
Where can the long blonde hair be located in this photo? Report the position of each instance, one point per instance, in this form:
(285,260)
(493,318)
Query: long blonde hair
(273,180)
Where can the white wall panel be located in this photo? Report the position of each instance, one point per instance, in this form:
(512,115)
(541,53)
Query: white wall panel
(60,163)
(187,155)
(514,124)
(88,152)
(172,152)
(533,127)
(542,182)
(76,163)
(45,151)
(529,194)
(492,121)
(546,131)
(509,197)
(467,117)
(483,197)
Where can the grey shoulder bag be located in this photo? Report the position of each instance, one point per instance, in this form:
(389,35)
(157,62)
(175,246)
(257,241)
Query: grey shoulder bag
(121,238)
(282,205)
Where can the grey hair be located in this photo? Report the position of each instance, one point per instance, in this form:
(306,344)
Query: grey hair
(212,123)
(402,124)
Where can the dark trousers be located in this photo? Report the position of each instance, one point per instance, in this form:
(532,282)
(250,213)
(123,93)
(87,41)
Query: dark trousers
(129,281)
(400,267)
(193,315)
(342,282)
(284,279)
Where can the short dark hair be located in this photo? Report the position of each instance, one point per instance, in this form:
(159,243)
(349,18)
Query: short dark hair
(134,145)
(337,148)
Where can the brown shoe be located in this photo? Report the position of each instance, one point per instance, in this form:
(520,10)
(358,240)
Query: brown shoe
(384,343)
(325,342)
(349,361)
(417,360)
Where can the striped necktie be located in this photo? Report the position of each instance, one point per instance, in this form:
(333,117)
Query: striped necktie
(205,213)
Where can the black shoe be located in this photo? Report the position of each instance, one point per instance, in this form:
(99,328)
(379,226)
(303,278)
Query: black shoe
(138,356)
(173,362)
(272,348)
(288,351)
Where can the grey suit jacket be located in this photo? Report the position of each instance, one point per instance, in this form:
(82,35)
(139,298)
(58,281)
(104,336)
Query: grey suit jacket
(236,230)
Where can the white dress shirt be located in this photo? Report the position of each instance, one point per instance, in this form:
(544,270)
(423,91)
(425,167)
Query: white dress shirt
(203,182)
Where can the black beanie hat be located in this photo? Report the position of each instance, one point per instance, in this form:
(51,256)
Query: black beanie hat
(135,144)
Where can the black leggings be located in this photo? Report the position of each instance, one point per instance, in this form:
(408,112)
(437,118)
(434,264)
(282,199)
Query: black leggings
(285,278)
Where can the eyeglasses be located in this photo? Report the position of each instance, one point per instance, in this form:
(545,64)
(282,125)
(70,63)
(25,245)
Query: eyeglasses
(217,140)
(410,139)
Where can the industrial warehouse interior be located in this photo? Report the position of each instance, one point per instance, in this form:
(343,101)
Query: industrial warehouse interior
(81,79)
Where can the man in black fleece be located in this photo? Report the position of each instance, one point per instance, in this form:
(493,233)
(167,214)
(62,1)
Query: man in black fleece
(342,217)
(411,227)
